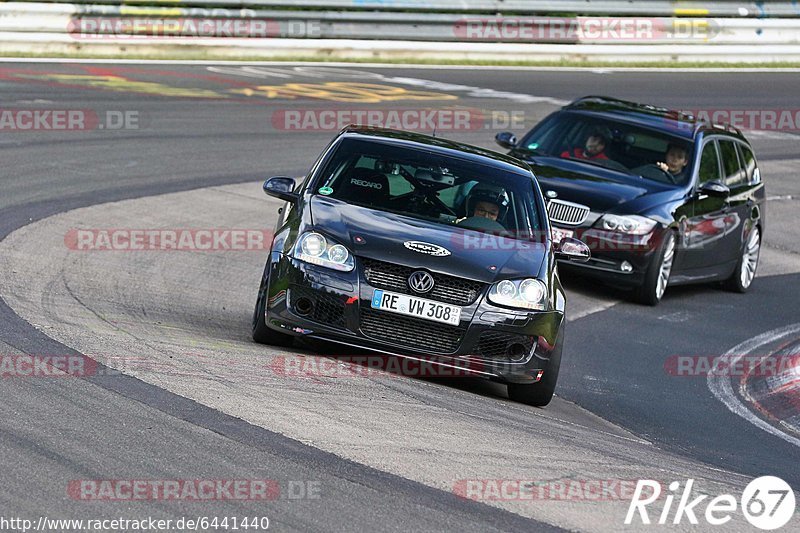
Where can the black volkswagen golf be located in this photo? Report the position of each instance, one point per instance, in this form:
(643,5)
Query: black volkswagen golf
(660,197)
(422,248)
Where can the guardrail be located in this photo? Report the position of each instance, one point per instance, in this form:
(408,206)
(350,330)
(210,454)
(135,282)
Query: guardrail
(46,26)
(657,8)
(87,22)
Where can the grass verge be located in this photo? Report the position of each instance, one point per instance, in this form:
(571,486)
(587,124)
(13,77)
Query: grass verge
(204,55)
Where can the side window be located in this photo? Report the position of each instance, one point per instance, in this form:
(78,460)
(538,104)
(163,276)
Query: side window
(709,165)
(734,175)
(748,163)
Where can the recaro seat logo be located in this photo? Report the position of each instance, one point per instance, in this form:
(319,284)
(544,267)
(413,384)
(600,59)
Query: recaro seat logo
(767,503)
(363,183)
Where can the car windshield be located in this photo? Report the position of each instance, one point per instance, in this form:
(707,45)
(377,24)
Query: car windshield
(634,150)
(429,186)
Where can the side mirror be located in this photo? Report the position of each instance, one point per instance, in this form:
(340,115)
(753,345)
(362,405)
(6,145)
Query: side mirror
(506,139)
(716,189)
(573,250)
(281,187)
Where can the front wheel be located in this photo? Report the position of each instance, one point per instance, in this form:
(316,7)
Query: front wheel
(745,270)
(262,334)
(538,394)
(657,276)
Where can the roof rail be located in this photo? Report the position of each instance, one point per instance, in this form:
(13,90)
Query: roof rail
(596,98)
(608,99)
(730,128)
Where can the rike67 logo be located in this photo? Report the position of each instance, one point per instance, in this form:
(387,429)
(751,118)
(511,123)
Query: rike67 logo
(767,502)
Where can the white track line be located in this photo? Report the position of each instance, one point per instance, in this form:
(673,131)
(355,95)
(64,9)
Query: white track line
(720,386)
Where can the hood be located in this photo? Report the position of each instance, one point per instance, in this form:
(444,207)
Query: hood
(599,188)
(383,234)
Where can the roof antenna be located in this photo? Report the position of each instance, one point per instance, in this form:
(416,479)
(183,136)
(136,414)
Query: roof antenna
(434,131)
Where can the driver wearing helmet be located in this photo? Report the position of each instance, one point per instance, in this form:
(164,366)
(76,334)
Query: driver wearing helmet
(485,205)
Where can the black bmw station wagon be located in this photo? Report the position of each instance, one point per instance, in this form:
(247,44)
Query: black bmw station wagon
(660,197)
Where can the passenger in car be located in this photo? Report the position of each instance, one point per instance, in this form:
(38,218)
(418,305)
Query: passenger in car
(677,159)
(593,149)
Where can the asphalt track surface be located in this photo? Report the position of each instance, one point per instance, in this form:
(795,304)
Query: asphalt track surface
(618,414)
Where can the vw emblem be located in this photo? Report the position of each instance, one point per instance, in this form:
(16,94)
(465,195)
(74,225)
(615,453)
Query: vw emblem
(552,194)
(420,281)
(427,248)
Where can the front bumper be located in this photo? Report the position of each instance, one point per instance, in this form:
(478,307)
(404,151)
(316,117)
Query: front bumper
(621,259)
(512,346)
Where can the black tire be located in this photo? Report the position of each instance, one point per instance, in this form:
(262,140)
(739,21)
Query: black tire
(539,394)
(262,334)
(651,291)
(745,271)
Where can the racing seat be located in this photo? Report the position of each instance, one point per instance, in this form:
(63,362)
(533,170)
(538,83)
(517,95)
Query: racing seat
(366,187)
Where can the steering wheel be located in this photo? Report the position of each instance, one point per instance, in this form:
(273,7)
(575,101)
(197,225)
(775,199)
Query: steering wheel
(669,176)
(652,170)
(482,224)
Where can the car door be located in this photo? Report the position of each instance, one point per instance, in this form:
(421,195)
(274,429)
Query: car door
(739,202)
(753,188)
(706,229)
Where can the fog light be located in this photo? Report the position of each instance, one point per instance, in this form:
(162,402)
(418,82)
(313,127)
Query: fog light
(626,267)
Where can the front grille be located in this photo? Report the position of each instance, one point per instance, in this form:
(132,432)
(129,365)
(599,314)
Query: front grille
(328,309)
(567,212)
(499,345)
(415,333)
(448,289)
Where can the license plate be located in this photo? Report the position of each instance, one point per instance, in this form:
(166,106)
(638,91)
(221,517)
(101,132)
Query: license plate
(403,304)
(558,234)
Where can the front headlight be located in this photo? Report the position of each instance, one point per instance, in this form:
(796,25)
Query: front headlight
(316,249)
(628,224)
(525,294)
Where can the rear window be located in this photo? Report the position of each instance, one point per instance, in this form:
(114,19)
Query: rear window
(735,175)
(749,163)
(428,186)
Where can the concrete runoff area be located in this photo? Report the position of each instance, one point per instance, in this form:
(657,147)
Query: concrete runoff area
(179,320)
